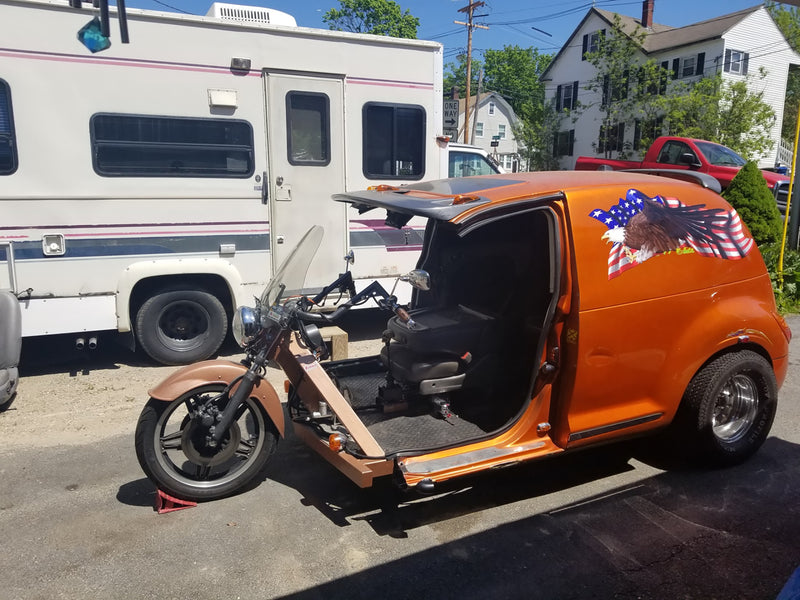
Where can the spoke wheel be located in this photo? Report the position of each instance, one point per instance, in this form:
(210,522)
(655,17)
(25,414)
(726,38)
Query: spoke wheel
(172,446)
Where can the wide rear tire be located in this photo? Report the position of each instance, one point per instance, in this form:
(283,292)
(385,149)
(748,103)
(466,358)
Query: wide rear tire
(728,408)
(171,448)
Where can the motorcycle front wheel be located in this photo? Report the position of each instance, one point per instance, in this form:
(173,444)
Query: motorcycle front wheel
(172,449)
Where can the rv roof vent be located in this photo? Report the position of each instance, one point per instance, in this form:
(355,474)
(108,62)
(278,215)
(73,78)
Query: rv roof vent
(250,14)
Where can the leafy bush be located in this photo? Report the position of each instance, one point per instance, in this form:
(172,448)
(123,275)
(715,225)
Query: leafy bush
(749,194)
(787,292)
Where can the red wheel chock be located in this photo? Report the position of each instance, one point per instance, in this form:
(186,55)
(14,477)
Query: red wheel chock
(166,503)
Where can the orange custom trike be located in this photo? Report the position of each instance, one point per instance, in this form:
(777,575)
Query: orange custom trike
(551,311)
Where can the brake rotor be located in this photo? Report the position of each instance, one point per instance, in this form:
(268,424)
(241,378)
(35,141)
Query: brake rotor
(195,446)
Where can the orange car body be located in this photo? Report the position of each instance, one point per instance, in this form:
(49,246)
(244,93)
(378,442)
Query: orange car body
(629,327)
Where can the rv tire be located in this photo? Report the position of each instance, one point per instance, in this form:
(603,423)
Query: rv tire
(176,327)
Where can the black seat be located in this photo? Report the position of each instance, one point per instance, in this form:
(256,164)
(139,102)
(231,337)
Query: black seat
(437,350)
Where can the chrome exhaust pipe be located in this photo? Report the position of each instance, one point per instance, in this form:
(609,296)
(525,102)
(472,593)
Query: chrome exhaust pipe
(92,342)
(80,343)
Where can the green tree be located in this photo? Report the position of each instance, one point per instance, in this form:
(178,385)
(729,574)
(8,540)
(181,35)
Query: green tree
(379,17)
(749,195)
(788,21)
(515,73)
(455,76)
(724,112)
(626,88)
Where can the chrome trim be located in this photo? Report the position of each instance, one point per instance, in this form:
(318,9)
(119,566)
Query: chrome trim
(587,433)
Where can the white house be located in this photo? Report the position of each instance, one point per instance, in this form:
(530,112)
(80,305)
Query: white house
(491,128)
(734,44)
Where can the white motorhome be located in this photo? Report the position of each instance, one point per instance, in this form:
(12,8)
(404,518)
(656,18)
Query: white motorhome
(151,188)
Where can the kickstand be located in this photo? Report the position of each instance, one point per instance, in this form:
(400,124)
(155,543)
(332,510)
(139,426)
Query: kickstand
(166,503)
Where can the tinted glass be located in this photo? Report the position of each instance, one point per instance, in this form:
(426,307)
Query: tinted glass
(147,146)
(308,128)
(8,153)
(394,141)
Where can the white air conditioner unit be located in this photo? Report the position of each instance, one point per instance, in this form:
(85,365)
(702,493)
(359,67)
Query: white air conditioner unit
(250,14)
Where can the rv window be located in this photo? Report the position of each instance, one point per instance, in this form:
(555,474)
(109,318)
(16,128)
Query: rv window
(394,141)
(8,153)
(308,130)
(148,146)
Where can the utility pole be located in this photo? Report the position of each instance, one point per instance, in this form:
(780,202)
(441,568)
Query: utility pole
(469,9)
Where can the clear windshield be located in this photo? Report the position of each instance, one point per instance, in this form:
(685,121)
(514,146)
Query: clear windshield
(290,277)
(720,156)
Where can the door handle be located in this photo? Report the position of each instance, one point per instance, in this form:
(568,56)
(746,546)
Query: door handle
(264,188)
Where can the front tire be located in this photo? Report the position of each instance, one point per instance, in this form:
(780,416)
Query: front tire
(177,327)
(171,448)
(728,408)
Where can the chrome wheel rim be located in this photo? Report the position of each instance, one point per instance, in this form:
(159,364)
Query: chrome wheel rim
(735,409)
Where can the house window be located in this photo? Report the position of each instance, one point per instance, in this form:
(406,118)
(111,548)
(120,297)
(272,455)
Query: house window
(591,42)
(567,96)
(308,130)
(649,129)
(8,150)
(564,143)
(491,108)
(612,138)
(688,66)
(155,146)
(478,129)
(736,62)
(501,131)
(617,90)
(393,141)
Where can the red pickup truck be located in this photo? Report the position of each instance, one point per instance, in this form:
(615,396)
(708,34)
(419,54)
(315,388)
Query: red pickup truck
(669,152)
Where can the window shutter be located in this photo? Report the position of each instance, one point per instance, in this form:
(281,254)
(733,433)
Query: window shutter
(727,67)
(606,83)
(745,63)
(621,137)
(676,67)
(662,85)
(701,58)
(558,99)
(585,46)
(571,141)
(555,143)
(574,95)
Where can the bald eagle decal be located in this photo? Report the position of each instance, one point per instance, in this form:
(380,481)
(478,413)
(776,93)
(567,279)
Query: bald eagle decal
(640,227)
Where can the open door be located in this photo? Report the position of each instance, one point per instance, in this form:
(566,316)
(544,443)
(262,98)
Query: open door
(305,139)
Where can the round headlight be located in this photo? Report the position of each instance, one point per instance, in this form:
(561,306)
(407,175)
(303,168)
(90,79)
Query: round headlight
(245,325)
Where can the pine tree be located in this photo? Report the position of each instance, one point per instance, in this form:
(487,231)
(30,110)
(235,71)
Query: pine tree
(749,194)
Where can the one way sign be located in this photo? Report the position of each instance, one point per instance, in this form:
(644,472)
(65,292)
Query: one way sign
(450,113)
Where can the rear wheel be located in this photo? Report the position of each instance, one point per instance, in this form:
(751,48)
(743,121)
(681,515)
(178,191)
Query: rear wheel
(178,327)
(172,450)
(728,408)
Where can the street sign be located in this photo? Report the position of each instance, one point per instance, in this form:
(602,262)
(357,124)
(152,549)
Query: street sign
(450,118)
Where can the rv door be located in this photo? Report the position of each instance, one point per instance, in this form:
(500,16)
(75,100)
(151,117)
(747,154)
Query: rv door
(305,146)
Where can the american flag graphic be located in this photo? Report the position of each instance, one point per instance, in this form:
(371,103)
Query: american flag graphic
(724,235)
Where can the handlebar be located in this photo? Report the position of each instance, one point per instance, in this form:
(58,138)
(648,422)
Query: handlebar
(373,290)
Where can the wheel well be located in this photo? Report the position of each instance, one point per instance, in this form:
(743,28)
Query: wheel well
(737,348)
(212,284)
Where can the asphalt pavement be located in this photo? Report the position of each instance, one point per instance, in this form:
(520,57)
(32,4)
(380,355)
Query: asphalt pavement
(78,522)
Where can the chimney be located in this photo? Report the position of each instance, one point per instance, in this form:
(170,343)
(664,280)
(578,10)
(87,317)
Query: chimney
(647,13)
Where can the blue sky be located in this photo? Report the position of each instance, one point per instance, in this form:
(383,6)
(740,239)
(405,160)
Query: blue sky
(510,22)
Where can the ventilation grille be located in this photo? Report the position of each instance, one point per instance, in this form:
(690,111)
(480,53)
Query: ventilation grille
(250,14)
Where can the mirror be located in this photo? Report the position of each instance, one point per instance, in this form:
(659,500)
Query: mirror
(91,36)
(418,278)
(690,159)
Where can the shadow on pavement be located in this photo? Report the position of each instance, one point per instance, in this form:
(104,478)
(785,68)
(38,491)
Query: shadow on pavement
(731,533)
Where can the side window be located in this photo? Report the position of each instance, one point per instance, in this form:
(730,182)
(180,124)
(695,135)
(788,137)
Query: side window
(308,129)
(671,152)
(394,141)
(8,150)
(150,146)
(479,129)
(464,164)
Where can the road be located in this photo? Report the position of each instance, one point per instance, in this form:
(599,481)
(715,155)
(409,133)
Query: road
(77,521)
